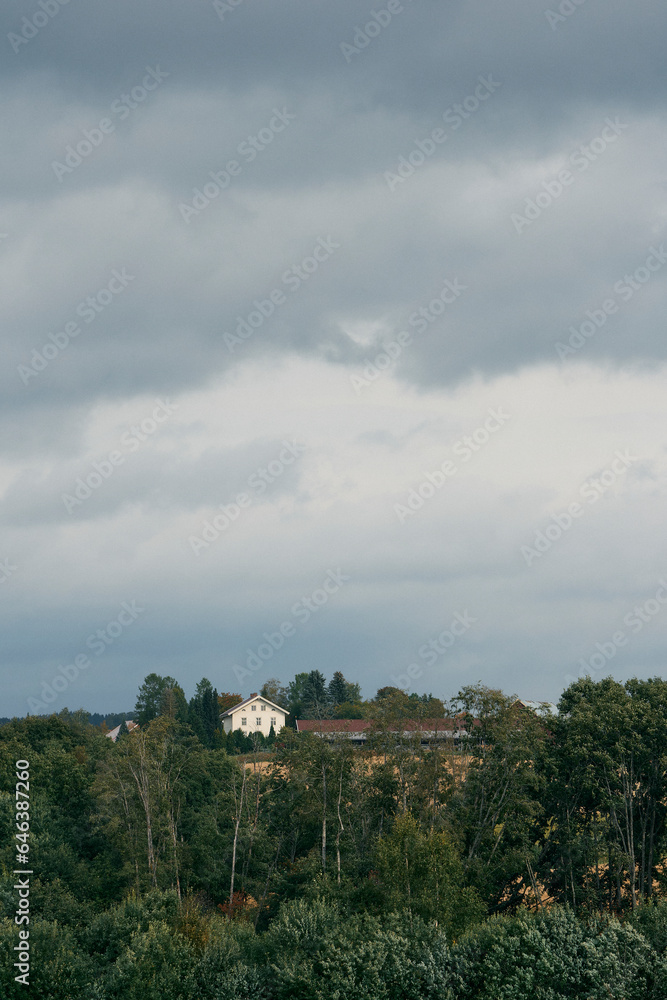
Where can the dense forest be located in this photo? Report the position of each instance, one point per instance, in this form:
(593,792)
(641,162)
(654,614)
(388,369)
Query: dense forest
(522,858)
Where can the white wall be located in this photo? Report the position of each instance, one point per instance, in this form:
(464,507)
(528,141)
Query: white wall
(234,721)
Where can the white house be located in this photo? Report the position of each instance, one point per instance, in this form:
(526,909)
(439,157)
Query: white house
(254,715)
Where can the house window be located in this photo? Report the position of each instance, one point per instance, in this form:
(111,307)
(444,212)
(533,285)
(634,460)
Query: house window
(264,708)
(273,720)
(244,721)
(258,721)
(253,708)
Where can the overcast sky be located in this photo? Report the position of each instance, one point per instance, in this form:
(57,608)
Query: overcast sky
(340,318)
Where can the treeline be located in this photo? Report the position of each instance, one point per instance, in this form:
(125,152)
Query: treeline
(328,870)
(110,720)
(307,696)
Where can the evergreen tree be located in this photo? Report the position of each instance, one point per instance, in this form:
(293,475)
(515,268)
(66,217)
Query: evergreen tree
(242,743)
(149,699)
(338,688)
(315,698)
(295,695)
(210,712)
(173,704)
(123,731)
(204,713)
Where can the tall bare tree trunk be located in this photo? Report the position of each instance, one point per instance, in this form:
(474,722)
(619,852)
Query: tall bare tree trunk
(143,787)
(238,805)
(172,831)
(324,815)
(340,821)
(649,888)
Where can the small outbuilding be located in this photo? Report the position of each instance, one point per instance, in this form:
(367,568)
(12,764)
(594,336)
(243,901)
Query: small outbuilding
(113,733)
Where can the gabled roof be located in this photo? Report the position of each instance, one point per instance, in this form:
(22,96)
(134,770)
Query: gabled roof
(541,707)
(113,733)
(248,701)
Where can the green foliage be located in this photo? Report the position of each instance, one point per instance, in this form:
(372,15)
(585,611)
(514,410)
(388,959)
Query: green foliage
(497,801)
(553,955)
(295,695)
(173,704)
(392,704)
(73,853)
(344,698)
(110,933)
(204,714)
(607,794)
(318,953)
(349,710)
(651,921)
(309,696)
(422,873)
(239,742)
(149,702)
(59,969)
(338,689)
(275,692)
(353,872)
(152,966)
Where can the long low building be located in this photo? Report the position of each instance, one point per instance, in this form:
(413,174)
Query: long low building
(357,731)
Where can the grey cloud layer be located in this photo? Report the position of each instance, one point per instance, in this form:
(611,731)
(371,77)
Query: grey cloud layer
(326,173)
(518,158)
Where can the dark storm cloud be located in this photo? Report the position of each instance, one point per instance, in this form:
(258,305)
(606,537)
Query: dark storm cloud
(217,81)
(425,49)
